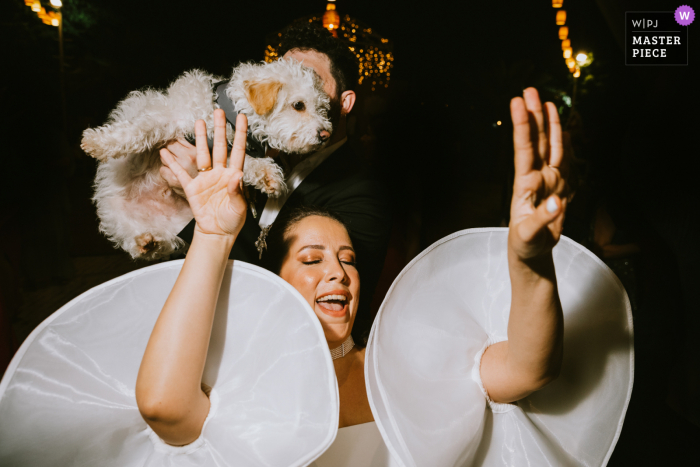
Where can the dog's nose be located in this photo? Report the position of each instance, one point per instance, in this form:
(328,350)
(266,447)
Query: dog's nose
(323,135)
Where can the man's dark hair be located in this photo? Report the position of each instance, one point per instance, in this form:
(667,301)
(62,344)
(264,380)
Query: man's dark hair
(307,36)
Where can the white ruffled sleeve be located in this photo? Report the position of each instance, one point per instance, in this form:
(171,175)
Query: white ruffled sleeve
(188,450)
(68,396)
(422,364)
(496,407)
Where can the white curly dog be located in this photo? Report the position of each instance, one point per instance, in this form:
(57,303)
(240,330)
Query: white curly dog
(286,107)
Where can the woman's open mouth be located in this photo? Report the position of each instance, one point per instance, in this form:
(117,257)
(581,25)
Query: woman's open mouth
(333,304)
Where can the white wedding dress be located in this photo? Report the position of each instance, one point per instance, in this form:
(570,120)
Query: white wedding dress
(359,445)
(67,398)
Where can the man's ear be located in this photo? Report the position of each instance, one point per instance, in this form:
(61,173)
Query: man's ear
(347,101)
(262,95)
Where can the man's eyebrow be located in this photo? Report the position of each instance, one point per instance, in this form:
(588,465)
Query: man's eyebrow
(313,247)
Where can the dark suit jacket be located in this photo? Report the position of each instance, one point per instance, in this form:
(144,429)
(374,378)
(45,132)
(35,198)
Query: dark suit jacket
(343,185)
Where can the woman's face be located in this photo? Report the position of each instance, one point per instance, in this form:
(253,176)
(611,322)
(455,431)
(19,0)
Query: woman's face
(320,264)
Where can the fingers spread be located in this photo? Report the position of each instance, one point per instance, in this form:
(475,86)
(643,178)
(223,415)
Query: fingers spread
(524,155)
(556,147)
(220,143)
(239,139)
(546,212)
(200,133)
(181,174)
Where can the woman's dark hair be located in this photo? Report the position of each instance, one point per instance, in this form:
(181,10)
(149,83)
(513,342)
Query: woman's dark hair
(279,242)
(307,36)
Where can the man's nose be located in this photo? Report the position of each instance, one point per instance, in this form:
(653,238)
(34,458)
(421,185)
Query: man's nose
(323,135)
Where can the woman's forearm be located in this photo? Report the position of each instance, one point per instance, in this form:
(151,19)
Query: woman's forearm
(536,325)
(531,357)
(168,387)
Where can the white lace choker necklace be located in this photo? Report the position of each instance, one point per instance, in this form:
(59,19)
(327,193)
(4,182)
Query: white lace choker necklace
(344,348)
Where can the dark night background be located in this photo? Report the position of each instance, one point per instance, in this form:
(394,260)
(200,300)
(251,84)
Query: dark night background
(432,134)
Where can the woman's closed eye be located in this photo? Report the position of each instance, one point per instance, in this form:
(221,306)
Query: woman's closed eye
(348,261)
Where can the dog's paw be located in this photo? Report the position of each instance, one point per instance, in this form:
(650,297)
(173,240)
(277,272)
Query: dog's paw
(265,175)
(91,144)
(272,184)
(146,243)
(271,181)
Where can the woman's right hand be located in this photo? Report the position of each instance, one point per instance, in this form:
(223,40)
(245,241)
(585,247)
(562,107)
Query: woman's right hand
(169,384)
(215,195)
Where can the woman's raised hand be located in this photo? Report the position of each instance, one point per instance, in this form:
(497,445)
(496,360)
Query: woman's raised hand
(215,196)
(539,202)
(532,355)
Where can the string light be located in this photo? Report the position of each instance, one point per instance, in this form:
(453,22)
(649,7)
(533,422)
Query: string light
(561,17)
(51,18)
(331,18)
(271,54)
(582,59)
(563,32)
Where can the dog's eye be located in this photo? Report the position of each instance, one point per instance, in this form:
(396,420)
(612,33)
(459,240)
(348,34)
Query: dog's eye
(299,106)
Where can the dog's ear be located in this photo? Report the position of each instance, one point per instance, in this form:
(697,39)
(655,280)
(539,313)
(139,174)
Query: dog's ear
(262,94)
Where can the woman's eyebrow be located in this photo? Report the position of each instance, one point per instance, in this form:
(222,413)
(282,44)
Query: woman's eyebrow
(322,247)
(313,247)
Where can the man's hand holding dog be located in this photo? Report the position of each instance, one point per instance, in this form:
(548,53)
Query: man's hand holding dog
(186,155)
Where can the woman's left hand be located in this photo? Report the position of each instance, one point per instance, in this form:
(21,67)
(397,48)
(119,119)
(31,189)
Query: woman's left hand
(539,202)
(532,355)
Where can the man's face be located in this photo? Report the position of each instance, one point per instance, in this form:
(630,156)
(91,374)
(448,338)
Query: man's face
(321,65)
